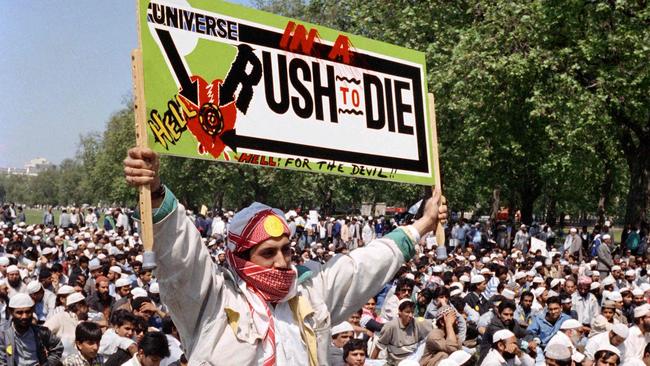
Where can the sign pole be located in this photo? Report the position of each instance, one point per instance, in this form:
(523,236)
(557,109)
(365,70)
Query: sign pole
(440,230)
(146,223)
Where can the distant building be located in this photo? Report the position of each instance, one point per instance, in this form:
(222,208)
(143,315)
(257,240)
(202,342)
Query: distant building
(32,168)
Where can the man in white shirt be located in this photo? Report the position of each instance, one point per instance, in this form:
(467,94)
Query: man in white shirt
(568,336)
(615,337)
(639,335)
(505,352)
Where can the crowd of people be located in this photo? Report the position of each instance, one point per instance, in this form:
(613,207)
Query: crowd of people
(76,293)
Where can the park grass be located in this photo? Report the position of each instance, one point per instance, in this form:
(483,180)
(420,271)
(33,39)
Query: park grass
(35,216)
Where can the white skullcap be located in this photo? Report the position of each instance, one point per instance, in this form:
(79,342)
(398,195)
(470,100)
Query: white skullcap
(94,264)
(101,256)
(621,330)
(637,292)
(624,289)
(477,279)
(630,272)
(34,287)
(91,246)
(537,265)
(578,357)
(641,310)
(154,288)
(65,290)
(472,257)
(508,294)
(615,296)
(552,293)
(538,279)
(455,291)
(594,285)
(645,287)
(486,271)
(485,260)
(460,357)
(608,347)
(557,351)
(12,269)
(538,291)
(121,282)
(519,275)
(570,324)
(74,298)
(616,268)
(606,236)
(609,280)
(436,269)
(555,282)
(48,251)
(501,335)
(139,292)
(464,278)
(4,261)
(116,269)
(19,301)
(410,276)
(573,230)
(342,327)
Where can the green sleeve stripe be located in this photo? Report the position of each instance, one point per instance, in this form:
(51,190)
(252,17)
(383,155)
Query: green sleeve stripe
(404,242)
(168,206)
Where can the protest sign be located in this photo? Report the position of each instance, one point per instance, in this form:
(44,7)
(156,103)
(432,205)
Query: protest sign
(229,83)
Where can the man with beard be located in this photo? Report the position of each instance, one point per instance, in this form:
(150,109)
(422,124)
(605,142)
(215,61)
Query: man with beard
(101,300)
(546,324)
(505,352)
(614,337)
(44,301)
(15,283)
(639,334)
(569,335)
(504,320)
(65,323)
(24,342)
(584,302)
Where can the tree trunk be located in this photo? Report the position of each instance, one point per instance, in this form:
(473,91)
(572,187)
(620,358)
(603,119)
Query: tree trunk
(606,185)
(551,214)
(496,202)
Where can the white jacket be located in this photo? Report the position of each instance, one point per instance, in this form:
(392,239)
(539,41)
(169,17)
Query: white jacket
(213,316)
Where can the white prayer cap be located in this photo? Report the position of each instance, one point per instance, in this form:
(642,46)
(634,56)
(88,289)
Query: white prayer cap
(537,265)
(485,260)
(101,256)
(606,236)
(519,275)
(637,292)
(94,264)
(578,357)
(455,291)
(570,324)
(538,291)
(69,249)
(616,268)
(557,351)
(154,288)
(91,246)
(34,287)
(615,296)
(538,279)
(472,257)
(19,301)
(36,238)
(139,292)
(486,271)
(4,261)
(87,236)
(630,272)
(621,330)
(115,269)
(501,335)
(608,347)
(74,298)
(65,290)
(641,310)
(341,328)
(464,278)
(138,258)
(552,293)
(477,279)
(609,280)
(573,230)
(594,285)
(555,282)
(531,273)
(624,289)
(437,269)
(121,282)
(460,357)
(508,294)
(645,287)
(12,269)
(410,276)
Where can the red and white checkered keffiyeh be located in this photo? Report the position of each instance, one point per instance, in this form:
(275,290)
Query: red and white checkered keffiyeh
(248,228)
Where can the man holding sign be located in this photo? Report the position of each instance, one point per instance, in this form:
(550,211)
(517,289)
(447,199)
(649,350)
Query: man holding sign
(258,310)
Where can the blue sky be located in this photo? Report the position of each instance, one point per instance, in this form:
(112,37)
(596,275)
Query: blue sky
(64,69)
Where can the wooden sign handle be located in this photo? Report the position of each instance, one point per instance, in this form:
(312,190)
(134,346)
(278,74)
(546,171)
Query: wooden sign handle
(146,223)
(440,230)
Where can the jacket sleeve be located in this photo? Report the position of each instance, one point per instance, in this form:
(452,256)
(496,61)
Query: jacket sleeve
(348,281)
(190,283)
(53,346)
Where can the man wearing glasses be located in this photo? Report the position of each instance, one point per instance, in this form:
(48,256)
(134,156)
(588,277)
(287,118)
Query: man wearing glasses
(403,290)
